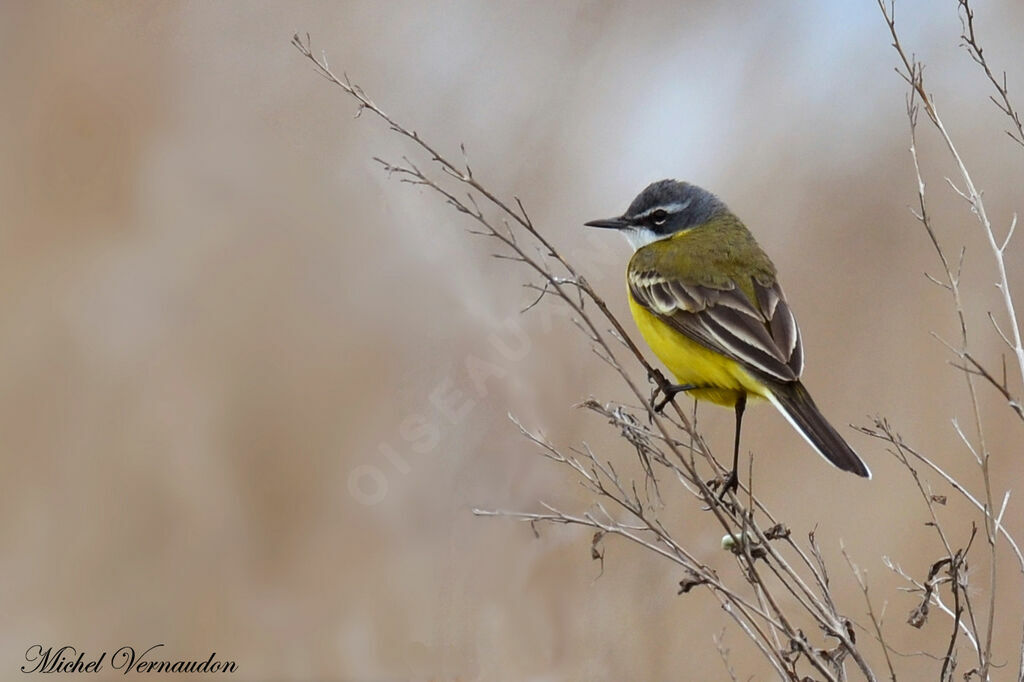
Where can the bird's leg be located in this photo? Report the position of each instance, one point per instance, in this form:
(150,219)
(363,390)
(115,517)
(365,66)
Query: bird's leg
(670,391)
(732,481)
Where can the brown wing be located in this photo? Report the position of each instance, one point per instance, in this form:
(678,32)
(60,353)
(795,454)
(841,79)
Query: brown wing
(761,335)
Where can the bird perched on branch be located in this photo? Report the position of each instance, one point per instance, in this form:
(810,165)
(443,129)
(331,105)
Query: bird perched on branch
(706,299)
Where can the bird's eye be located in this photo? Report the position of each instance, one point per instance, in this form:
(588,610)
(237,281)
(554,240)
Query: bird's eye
(659,217)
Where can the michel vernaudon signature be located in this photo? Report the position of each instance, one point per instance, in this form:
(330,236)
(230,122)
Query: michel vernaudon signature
(67,659)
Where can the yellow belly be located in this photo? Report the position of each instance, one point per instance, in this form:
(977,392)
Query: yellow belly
(722,380)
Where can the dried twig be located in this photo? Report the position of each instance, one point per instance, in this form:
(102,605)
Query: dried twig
(912,72)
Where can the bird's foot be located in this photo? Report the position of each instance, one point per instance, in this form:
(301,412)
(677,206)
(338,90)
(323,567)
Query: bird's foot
(724,485)
(670,392)
(731,482)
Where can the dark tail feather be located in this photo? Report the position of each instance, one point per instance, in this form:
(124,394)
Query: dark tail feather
(795,403)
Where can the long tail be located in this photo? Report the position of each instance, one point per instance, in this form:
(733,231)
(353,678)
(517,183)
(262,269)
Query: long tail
(796,405)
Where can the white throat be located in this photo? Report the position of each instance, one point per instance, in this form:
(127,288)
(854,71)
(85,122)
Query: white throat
(641,237)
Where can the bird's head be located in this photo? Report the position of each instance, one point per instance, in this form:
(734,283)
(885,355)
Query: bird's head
(661,210)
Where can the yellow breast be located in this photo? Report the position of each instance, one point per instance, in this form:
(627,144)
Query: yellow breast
(692,363)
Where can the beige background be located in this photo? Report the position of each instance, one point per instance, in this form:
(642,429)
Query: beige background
(221,324)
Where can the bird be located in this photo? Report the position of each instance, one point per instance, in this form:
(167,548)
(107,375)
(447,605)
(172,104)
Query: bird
(707,301)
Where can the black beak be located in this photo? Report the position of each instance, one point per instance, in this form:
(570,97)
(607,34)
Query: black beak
(612,223)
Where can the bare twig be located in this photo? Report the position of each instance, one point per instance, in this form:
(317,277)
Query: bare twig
(876,620)
(913,74)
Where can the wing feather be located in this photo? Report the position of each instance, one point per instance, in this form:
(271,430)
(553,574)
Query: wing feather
(762,335)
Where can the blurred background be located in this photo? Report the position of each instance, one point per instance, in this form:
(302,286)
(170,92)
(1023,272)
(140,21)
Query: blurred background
(238,412)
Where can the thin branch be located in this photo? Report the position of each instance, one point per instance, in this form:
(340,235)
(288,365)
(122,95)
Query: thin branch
(876,621)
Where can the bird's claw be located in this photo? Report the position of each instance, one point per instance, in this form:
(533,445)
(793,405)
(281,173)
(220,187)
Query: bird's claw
(670,392)
(731,482)
(724,485)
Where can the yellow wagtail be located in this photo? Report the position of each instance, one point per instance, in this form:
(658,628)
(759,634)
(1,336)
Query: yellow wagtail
(705,298)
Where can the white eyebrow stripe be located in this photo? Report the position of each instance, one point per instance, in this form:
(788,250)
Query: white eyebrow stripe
(674,207)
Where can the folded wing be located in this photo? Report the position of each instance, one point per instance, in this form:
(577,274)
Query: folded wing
(760,334)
